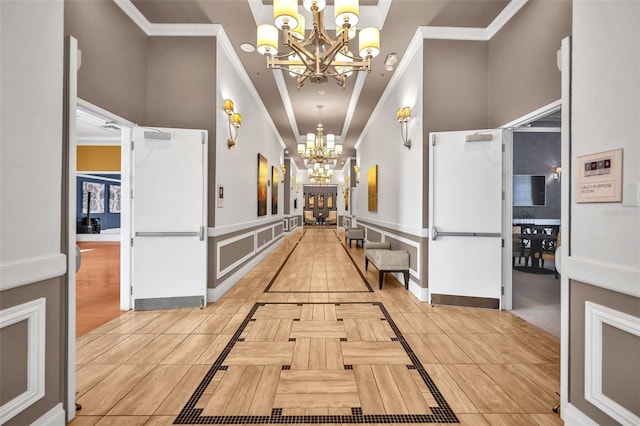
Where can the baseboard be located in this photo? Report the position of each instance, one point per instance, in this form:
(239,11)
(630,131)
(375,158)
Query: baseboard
(53,417)
(421,293)
(214,294)
(572,416)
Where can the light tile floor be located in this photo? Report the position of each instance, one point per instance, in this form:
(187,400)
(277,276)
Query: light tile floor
(317,344)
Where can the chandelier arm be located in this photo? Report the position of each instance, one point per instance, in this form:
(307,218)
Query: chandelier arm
(336,46)
(302,78)
(300,50)
(342,79)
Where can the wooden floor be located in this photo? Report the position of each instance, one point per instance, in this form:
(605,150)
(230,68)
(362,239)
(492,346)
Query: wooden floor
(305,338)
(97,285)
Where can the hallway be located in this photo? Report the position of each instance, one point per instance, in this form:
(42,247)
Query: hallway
(306,337)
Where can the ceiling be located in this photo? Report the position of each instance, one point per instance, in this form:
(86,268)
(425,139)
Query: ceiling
(397,19)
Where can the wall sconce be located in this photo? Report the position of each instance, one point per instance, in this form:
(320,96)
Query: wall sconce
(557,173)
(297,187)
(284,171)
(293,180)
(357,170)
(235,121)
(404,114)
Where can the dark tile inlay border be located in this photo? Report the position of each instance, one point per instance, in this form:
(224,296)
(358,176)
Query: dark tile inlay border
(267,289)
(439,414)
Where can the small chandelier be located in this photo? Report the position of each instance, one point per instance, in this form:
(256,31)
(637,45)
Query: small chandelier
(319,149)
(320,175)
(318,56)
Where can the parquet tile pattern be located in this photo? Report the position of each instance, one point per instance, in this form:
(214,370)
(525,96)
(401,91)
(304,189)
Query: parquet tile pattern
(296,363)
(317,356)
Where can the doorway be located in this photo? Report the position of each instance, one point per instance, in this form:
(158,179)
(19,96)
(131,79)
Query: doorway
(536,212)
(98,214)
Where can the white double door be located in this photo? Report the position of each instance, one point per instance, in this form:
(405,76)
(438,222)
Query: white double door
(169,218)
(465,214)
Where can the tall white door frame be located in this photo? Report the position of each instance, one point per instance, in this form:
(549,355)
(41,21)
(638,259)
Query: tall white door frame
(73,104)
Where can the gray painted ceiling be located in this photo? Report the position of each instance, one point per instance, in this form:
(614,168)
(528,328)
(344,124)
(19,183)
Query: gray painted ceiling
(401,22)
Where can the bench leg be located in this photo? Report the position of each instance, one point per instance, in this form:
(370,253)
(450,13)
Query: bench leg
(381,278)
(366,263)
(406,279)
(350,243)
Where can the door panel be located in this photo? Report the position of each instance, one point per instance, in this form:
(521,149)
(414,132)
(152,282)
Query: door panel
(169,255)
(465,211)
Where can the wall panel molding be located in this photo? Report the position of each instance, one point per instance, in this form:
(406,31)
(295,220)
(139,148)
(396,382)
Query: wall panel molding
(28,271)
(257,246)
(214,294)
(223,230)
(610,276)
(34,312)
(595,316)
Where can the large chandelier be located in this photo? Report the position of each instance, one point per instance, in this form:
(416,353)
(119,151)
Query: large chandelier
(319,149)
(318,56)
(320,175)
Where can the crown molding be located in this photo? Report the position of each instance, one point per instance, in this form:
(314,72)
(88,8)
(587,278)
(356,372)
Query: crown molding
(135,15)
(183,30)
(505,16)
(225,43)
(200,30)
(443,33)
(412,49)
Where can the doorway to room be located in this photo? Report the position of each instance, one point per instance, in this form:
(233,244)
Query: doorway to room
(98,215)
(536,212)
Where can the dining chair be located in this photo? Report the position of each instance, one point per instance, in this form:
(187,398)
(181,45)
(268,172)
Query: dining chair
(549,253)
(518,246)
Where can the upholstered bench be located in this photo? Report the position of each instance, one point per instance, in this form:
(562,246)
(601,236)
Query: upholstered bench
(386,260)
(354,234)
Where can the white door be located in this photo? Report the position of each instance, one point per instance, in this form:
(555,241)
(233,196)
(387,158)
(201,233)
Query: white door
(169,218)
(465,213)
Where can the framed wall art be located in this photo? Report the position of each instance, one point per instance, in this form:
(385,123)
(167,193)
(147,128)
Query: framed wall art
(372,180)
(274,190)
(263,177)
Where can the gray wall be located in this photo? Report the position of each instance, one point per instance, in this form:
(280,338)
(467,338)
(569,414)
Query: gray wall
(523,75)
(455,85)
(114,50)
(538,154)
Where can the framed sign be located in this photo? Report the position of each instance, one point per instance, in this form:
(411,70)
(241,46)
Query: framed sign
(599,177)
